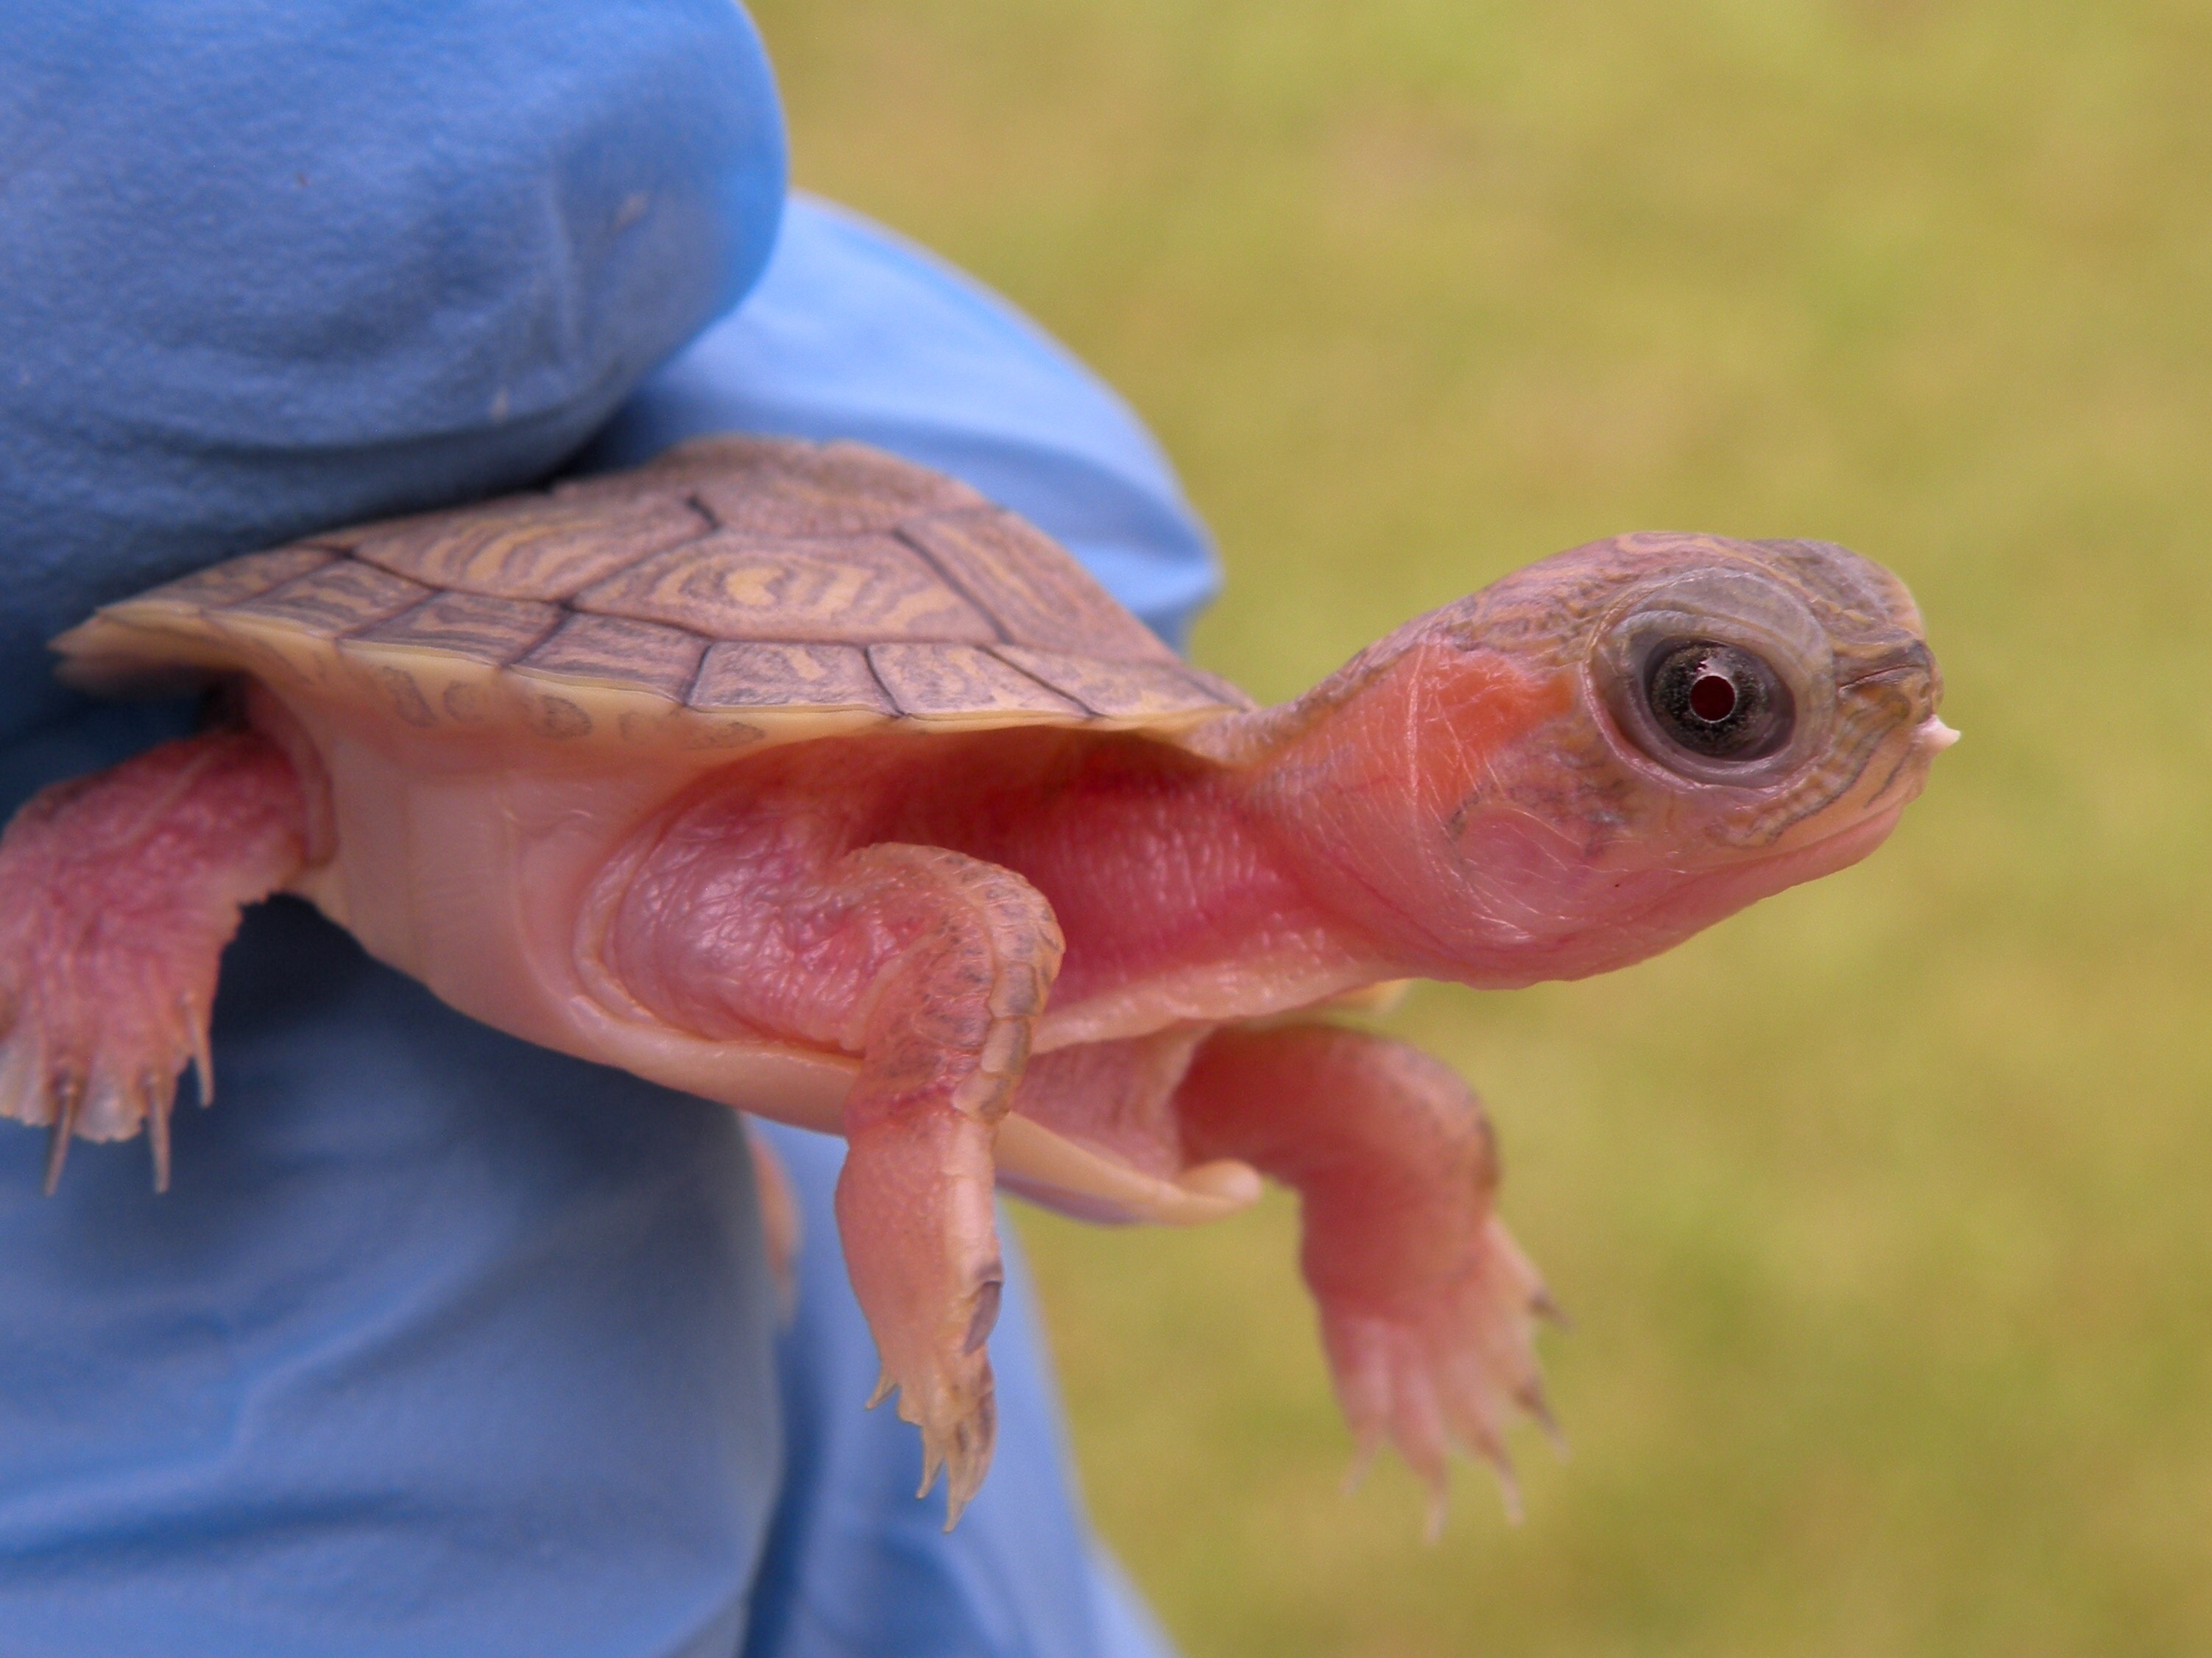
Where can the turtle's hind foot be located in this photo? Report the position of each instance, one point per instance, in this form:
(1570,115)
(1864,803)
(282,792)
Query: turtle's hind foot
(117,893)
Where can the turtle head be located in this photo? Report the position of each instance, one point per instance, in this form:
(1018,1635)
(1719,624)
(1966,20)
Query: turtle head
(1600,754)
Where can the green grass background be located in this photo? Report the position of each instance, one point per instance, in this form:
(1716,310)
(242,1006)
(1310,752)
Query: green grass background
(1881,1209)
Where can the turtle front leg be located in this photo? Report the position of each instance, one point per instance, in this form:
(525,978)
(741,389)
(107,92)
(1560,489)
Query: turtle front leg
(118,892)
(945,1036)
(932,968)
(1426,1303)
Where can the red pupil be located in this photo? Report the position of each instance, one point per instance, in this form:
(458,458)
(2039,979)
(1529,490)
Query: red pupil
(1712,698)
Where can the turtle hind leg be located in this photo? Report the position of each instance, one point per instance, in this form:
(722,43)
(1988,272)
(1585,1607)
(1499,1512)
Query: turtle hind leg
(117,893)
(929,965)
(1427,1306)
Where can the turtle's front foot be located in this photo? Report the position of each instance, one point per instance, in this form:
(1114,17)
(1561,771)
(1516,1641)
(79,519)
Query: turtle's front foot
(117,893)
(1427,1306)
(1445,1368)
(914,1212)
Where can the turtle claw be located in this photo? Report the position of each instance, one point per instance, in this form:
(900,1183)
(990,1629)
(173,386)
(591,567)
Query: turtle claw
(1509,1490)
(956,1410)
(158,1099)
(1531,1399)
(195,1021)
(963,1450)
(933,1360)
(1438,1508)
(950,1395)
(87,1058)
(929,1276)
(118,892)
(1364,1453)
(1444,1371)
(1541,1304)
(64,1095)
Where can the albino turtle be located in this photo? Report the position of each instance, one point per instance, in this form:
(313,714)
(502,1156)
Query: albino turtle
(807,780)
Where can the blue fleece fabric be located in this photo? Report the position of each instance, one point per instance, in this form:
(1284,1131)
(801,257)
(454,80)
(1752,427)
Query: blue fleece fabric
(441,1343)
(267,268)
(853,332)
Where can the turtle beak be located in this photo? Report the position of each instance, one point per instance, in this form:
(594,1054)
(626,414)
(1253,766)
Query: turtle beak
(1933,737)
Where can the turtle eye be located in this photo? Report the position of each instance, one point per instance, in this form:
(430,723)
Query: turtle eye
(1717,701)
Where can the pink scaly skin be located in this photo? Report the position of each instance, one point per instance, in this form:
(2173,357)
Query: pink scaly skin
(117,893)
(1485,796)
(1424,1300)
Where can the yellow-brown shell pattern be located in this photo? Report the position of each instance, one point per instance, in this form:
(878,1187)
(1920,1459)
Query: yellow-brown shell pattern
(735,590)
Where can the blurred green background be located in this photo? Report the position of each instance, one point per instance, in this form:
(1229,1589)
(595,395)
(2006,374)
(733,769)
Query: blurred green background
(1881,1209)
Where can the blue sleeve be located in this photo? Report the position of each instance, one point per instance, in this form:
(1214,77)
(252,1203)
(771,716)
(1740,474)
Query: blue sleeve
(852,332)
(268,268)
(441,1343)
(855,333)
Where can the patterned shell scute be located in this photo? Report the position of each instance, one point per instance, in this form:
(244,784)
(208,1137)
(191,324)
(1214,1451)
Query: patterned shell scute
(735,590)
(332,600)
(614,651)
(850,589)
(1138,691)
(469,625)
(960,683)
(786,490)
(232,581)
(530,548)
(1038,595)
(829,678)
